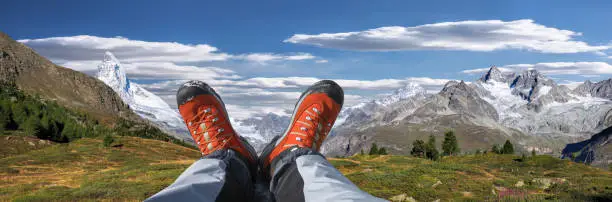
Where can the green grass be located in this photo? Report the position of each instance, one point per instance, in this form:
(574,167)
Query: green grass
(476,177)
(85,170)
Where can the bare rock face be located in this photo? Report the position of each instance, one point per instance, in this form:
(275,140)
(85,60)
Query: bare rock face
(602,89)
(464,100)
(494,74)
(34,74)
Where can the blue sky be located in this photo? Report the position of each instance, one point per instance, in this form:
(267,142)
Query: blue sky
(257,28)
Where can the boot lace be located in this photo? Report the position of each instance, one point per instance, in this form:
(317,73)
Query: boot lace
(313,128)
(212,130)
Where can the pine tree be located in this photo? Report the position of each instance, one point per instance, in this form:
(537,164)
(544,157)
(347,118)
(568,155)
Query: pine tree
(373,149)
(508,148)
(533,152)
(449,145)
(418,149)
(432,152)
(382,151)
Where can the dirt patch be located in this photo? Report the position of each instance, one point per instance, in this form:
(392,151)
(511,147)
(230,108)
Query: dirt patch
(349,160)
(180,162)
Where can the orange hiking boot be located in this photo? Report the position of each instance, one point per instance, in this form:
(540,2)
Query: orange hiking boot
(204,113)
(311,122)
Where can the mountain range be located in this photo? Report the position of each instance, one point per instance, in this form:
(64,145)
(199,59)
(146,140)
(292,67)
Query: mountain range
(525,107)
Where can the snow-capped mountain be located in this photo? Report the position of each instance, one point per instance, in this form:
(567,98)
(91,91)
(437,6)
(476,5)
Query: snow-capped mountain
(526,107)
(401,102)
(260,129)
(141,101)
(536,105)
(602,89)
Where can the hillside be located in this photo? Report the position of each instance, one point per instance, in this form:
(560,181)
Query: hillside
(34,74)
(84,170)
(596,151)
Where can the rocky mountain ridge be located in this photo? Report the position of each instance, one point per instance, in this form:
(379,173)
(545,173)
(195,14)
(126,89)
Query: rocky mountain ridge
(525,107)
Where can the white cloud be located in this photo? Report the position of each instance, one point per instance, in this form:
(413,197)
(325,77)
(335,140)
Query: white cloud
(269,57)
(566,68)
(88,48)
(556,68)
(246,111)
(590,75)
(302,82)
(147,60)
(487,35)
(483,70)
(85,47)
(166,70)
(321,61)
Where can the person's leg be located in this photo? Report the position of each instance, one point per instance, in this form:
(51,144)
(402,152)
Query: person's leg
(297,171)
(225,172)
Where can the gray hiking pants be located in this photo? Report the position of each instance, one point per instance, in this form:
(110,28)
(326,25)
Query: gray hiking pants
(225,176)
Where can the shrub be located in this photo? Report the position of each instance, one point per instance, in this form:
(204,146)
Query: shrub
(495,149)
(108,140)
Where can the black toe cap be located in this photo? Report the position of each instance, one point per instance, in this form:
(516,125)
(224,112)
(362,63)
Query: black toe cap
(329,87)
(191,89)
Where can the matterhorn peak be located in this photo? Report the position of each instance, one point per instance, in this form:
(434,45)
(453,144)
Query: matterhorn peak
(111,72)
(108,56)
(140,100)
